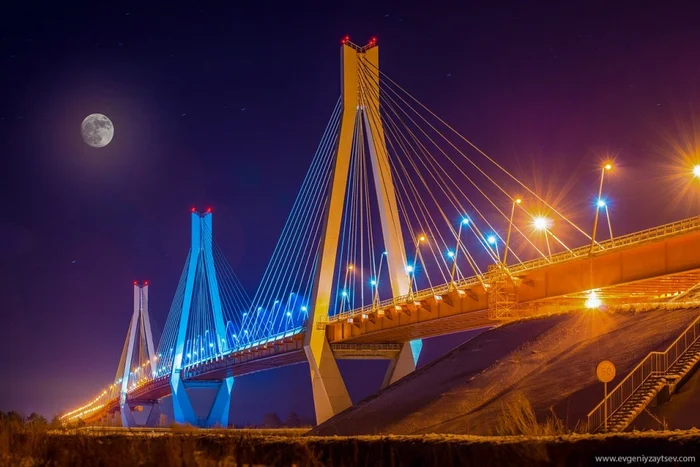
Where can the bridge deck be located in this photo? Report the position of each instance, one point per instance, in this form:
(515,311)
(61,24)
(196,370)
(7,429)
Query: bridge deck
(654,264)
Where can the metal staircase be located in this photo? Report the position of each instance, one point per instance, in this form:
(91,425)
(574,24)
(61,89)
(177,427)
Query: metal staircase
(655,372)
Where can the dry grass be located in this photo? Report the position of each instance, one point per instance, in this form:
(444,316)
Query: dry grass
(518,418)
(28,446)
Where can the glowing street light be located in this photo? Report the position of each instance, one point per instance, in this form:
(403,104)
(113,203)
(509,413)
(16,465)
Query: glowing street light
(453,255)
(510,228)
(543,223)
(696,171)
(410,268)
(491,239)
(607,167)
(593,301)
(601,203)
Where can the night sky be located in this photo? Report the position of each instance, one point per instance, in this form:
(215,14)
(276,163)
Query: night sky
(224,107)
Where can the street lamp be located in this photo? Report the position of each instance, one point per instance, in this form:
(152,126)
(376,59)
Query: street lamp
(410,268)
(696,171)
(543,223)
(606,167)
(375,282)
(453,255)
(510,228)
(494,241)
(603,205)
(593,301)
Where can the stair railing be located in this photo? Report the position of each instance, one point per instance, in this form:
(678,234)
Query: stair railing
(654,364)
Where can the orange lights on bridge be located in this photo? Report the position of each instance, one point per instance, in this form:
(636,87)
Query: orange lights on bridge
(593,301)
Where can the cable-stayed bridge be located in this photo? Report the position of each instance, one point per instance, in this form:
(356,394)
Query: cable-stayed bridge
(402,229)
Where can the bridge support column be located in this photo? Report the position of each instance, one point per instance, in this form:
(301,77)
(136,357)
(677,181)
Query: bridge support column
(183,413)
(218,414)
(360,101)
(404,362)
(330,394)
(200,254)
(139,321)
(149,416)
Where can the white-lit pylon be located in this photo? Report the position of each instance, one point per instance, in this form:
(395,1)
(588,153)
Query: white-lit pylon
(140,323)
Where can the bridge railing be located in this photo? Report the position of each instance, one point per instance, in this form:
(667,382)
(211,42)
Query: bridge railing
(654,364)
(661,231)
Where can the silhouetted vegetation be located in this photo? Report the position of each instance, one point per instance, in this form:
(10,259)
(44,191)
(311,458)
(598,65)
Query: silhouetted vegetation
(32,441)
(519,418)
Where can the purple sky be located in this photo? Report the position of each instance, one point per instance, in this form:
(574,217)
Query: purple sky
(225,107)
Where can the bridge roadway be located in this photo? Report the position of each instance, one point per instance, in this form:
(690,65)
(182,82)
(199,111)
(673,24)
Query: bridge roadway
(653,264)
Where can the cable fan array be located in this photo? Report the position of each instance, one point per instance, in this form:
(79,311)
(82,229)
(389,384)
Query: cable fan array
(460,211)
(281,304)
(202,342)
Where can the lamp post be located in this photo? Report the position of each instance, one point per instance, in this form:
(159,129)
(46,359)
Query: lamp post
(603,205)
(464,222)
(510,228)
(543,223)
(494,241)
(605,168)
(375,282)
(410,269)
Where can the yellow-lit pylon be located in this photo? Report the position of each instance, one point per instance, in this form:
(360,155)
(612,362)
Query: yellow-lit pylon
(360,102)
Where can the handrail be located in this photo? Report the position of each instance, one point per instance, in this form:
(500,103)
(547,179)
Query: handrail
(654,363)
(673,228)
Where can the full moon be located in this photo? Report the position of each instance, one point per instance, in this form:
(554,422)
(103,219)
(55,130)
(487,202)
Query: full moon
(97,130)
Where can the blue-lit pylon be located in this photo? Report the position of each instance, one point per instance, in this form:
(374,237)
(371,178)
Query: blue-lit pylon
(140,323)
(201,255)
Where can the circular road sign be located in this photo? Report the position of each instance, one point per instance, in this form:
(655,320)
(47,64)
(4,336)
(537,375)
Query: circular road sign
(605,371)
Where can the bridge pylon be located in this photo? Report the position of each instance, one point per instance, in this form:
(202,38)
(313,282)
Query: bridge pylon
(200,266)
(140,326)
(360,103)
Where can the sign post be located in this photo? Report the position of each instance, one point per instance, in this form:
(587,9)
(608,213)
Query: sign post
(605,373)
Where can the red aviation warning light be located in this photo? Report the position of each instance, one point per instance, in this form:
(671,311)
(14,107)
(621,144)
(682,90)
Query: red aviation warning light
(373,42)
(193,209)
(136,283)
(345,39)
(145,283)
(209,210)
